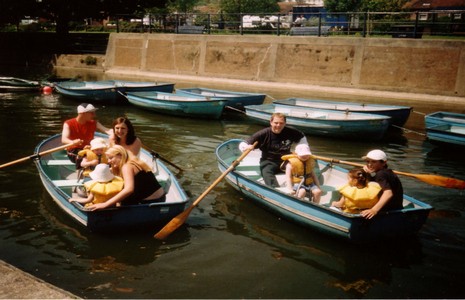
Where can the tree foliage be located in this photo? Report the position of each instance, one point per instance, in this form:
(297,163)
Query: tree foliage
(249,6)
(364,5)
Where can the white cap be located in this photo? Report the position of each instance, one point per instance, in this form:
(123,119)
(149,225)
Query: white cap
(101,173)
(85,107)
(98,143)
(376,155)
(302,150)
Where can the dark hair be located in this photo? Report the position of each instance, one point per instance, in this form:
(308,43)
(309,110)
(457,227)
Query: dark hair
(131,136)
(360,175)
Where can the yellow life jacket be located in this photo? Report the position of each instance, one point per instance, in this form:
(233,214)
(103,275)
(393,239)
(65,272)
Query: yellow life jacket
(298,168)
(358,199)
(90,155)
(103,191)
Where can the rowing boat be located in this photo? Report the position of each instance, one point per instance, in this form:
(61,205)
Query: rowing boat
(399,114)
(178,105)
(107,91)
(321,122)
(60,179)
(446,128)
(235,99)
(246,178)
(13,84)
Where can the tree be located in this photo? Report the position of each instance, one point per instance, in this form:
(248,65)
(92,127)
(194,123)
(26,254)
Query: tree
(364,5)
(182,6)
(342,5)
(249,6)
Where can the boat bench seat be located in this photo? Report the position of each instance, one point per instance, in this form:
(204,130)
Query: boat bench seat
(59,162)
(165,181)
(67,182)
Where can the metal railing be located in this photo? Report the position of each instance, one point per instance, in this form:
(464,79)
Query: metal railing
(365,24)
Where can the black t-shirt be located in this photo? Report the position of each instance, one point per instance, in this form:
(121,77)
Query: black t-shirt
(272,145)
(388,180)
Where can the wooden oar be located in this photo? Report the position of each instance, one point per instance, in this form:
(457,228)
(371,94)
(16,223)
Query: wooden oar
(432,179)
(36,155)
(155,154)
(177,221)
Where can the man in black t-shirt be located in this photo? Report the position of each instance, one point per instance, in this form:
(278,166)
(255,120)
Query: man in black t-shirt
(274,142)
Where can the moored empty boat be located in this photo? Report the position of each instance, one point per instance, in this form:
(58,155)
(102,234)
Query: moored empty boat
(107,91)
(321,122)
(446,128)
(236,100)
(13,84)
(178,105)
(399,114)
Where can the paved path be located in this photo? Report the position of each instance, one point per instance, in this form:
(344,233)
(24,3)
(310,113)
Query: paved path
(16,284)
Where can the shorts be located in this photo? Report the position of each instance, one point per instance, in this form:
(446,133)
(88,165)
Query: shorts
(308,188)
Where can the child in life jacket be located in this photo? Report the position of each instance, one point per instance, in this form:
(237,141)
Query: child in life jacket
(93,155)
(300,177)
(359,193)
(103,186)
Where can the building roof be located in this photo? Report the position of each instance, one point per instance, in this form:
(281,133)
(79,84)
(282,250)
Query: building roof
(435,5)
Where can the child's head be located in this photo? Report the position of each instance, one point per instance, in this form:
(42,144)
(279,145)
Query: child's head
(375,160)
(98,146)
(102,173)
(358,177)
(303,151)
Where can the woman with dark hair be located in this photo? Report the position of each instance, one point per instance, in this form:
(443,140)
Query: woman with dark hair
(124,135)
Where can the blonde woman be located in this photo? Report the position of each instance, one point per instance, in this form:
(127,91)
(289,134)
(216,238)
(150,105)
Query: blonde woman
(140,184)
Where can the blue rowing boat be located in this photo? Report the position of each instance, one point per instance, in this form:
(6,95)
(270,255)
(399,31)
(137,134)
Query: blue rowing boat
(328,123)
(107,91)
(446,128)
(60,178)
(398,114)
(246,179)
(236,100)
(179,105)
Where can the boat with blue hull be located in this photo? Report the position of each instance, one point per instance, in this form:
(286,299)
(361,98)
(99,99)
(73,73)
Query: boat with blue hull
(398,114)
(178,105)
(235,99)
(60,179)
(246,179)
(328,123)
(446,128)
(107,91)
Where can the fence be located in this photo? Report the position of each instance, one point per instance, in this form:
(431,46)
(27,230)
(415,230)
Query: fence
(389,24)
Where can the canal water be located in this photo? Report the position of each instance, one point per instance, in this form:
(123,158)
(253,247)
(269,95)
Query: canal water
(229,247)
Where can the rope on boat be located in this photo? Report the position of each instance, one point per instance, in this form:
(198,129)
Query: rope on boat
(408,130)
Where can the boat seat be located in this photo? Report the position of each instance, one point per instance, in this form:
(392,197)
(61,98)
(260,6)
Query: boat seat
(59,162)
(165,181)
(67,182)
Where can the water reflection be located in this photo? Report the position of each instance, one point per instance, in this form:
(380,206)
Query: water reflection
(229,247)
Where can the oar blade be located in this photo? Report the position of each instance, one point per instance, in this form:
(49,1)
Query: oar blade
(442,181)
(174,224)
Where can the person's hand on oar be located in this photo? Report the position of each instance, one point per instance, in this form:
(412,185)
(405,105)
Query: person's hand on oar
(37,155)
(177,221)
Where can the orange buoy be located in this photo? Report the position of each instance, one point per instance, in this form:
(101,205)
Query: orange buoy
(47,90)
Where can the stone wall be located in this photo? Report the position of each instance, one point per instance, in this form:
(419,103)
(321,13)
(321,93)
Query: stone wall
(401,65)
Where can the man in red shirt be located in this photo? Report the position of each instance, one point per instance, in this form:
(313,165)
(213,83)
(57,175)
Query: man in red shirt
(80,130)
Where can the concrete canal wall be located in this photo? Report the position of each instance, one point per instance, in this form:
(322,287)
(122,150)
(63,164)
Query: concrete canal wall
(401,65)
(399,68)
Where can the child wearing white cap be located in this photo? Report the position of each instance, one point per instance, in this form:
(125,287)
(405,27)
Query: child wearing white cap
(392,193)
(93,155)
(102,187)
(300,177)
